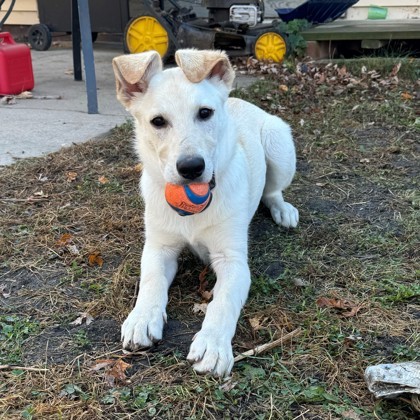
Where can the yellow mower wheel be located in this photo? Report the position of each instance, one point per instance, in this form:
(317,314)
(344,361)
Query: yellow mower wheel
(146,33)
(270,46)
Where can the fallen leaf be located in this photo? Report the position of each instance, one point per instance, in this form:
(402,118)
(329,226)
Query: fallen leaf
(283,88)
(84,316)
(117,373)
(352,312)
(73,249)
(342,71)
(406,96)
(257,322)
(65,239)
(102,364)
(138,167)
(25,95)
(395,70)
(205,294)
(114,370)
(95,259)
(103,180)
(200,307)
(338,303)
(71,176)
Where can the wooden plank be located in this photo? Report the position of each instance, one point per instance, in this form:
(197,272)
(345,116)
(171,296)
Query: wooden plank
(21,5)
(21,18)
(25,12)
(364,29)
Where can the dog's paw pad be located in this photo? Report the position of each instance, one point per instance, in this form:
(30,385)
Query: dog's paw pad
(285,215)
(142,328)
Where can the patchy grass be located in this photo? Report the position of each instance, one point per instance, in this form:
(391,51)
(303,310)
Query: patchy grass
(71,241)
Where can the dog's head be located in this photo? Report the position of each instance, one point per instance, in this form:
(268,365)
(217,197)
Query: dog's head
(180,113)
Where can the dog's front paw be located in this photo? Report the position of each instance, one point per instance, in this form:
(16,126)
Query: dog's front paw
(285,215)
(143,327)
(211,353)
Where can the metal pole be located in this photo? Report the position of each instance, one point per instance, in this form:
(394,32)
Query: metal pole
(75,37)
(88,59)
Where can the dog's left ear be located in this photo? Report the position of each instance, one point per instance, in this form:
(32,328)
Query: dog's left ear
(198,65)
(133,73)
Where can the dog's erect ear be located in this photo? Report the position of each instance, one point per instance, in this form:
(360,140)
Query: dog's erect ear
(133,73)
(198,65)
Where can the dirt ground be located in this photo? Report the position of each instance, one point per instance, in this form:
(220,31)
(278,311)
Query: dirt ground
(346,279)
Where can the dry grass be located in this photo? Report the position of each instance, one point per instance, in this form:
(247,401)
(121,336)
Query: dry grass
(358,197)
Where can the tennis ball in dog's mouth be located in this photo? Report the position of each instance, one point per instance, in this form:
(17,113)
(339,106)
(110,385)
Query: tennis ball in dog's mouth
(188,199)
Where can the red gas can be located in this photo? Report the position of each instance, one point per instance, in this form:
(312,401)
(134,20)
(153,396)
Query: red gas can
(16,74)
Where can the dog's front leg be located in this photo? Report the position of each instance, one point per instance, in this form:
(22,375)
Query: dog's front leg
(144,325)
(211,350)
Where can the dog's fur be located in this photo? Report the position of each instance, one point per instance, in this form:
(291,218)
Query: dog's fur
(251,156)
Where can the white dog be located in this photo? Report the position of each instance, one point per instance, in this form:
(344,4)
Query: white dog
(188,130)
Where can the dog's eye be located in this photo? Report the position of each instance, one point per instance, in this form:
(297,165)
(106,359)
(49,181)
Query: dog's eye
(158,122)
(205,113)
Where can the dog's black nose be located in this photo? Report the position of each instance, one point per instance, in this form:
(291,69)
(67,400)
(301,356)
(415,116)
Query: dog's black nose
(190,167)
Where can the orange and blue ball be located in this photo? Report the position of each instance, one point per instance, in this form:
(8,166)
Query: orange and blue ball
(188,199)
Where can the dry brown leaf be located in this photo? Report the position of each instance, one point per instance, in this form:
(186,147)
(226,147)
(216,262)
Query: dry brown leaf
(257,322)
(117,373)
(65,239)
(205,294)
(395,70)
(102,364)
(324,302)
(138,168)
(103,180)
(352,312)
(342,71)
(71,176)
(406,96)
(337,303)
(283,88)
(95,259)
(114,370)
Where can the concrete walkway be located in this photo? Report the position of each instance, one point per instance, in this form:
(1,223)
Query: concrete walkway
(33,127)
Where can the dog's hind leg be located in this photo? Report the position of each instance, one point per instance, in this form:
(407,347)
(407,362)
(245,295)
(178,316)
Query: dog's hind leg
(281,165)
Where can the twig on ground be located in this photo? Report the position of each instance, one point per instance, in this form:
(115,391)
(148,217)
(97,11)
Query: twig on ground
(268,346)
(28,368)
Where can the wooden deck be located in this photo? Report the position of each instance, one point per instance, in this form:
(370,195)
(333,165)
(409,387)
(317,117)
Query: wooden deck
(341,30)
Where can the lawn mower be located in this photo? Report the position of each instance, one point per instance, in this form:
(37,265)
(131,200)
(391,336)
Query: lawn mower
(236,26)
(232,25)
